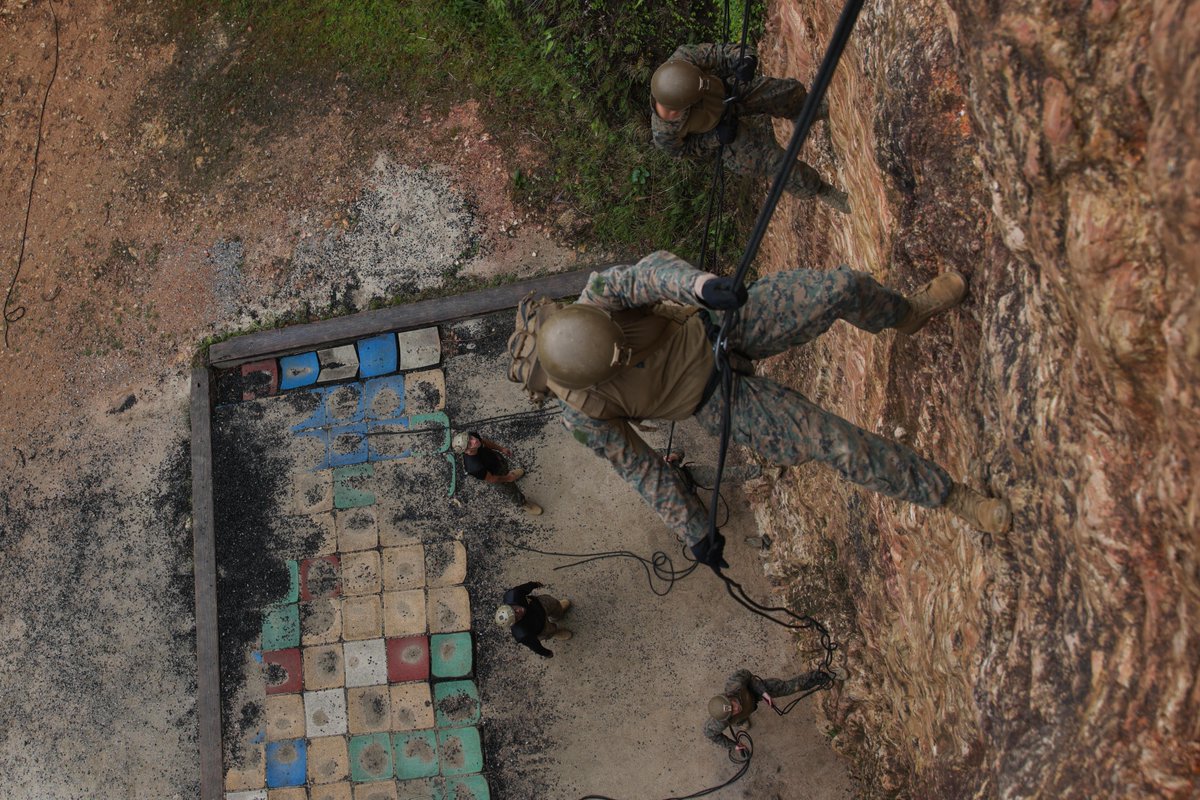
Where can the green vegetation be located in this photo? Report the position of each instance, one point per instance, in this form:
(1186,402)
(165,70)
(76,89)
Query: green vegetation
(569,78)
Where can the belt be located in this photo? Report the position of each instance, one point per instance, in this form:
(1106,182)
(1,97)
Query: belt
(740,364)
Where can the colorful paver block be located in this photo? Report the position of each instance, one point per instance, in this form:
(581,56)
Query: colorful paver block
(377,355)
(412,706)
(254,794)
(321,621)
(312,492)
(249,770)
(445,563)
(371,757)
(313,448)
(357,529)
(460,751)
(330,791)
(347,486)
(430,432)
(422,789)
(389,440)
(381,790)
(456,703)
(348,445)
(293,590)
(260,379)
(324,667)
(420,348)
(286,763)
(281,627)
(425,391)
(281,670)
(416,754)
(328,760)
(404,613)
(403,567)
(369,709)
(467,787)
(298,370)
(451,655)
(314,400)
(366,662)
(360,573)
(408,659)
(383,398)
(284,715)
(362,618)
(449,609)
(290,793)
(344,404)
(320,578)
(325,713)
(337,363)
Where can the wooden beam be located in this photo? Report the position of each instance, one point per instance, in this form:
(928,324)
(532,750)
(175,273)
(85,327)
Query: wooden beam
(340,330)
(204,567)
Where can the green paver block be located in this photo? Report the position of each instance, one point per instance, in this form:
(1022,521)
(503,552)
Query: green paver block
(416,754)
(424,789)
(456,703)
(468,787)
(453,474)
(370,757)
(346,486)
(437,424)
(460,751)
(450,655)
(293,592)
(281,627)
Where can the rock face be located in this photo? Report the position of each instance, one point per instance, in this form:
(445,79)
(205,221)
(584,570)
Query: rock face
(1050,153)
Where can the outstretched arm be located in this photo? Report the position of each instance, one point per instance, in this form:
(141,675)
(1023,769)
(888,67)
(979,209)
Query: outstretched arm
(657,277)
(718,59)
(715,732)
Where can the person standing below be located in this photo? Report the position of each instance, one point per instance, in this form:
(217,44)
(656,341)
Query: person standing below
(743,690)
(707,95)
(533,619)
(485,460)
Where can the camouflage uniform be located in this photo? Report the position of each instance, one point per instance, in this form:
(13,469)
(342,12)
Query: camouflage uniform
(743,684)
(783,310)
(754,150)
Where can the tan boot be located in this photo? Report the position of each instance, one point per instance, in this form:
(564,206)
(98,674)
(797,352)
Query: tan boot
(562,634)
(834,198)
(943,292)
(566,605)
(532,509)
(517,474)
(987,514)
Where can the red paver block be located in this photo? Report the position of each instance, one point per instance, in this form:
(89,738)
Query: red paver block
(408,659)
(320,577)
(283,670)
(260,379)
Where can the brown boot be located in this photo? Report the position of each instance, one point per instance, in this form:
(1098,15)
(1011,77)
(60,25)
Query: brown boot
(562,634)
(517,474)
(834,198)
(943,292)
(532,509)
(987,514)
(565,604)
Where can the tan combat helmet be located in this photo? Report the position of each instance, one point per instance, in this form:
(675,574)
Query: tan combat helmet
(505,616)
(460,442)
(678,85)
(719,708)
(580,346)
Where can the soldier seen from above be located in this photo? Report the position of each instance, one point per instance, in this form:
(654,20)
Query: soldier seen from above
(533,618)
(485,460)
(636,346)
(744,691)
(707,95)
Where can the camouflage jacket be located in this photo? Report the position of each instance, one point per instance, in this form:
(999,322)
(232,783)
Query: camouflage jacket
(669,136)
(657,277)
(736,684)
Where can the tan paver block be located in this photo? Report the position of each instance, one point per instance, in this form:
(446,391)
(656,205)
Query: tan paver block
(379,790)
(324,667)
(397,532)
(424,391)
(328,759)
(284,716)
(321,621)
(328,544)
(251,773)
(412,707)
(360,573)
(403,613)
(357,529)
(403,567)
(361,618)
(313,491)
(449,609)
(445,564)
(289,793)
(370,709)
(330,791)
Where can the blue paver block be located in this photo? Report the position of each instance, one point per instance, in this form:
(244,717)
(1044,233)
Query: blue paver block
(287,763)
(383,398)
(387,440)
(456,703)
(348,445)
(370,757)
(319,417)
(377,355)
(321,435)
(299,370)
(344,404)
(460,752)
(450,655)
(281,627)
(416,754)
(467,787)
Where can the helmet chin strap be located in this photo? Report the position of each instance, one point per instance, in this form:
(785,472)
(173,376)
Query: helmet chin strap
(622,354)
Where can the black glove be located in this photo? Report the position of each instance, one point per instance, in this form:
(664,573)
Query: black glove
(720,294)
(745,68)
(711,556)
(727,128)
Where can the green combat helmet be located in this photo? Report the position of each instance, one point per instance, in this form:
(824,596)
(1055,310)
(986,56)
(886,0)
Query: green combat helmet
(580,346)
(678,85)
(719,708)
(505,616)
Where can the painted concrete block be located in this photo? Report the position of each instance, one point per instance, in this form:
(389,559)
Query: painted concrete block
(312,448)
(323,524)
(337,363)
(362,618)
(404,613)
(360,573)
(366,662)
(324,667)
(257,794)
(349,486)
(320,578)
(451,655)
(312,491)
(377,355)
(331,791)
(292,793)
(422,789)
(467,787)
(410,485)
(286,763)
(420,348)
(412,706)
(298,370)
(408,659)
(379,790)
(325,712)
(449,609)
(403,567)
(281,670)
(460,751)
(313,404)
(321,621)
(357,529)
(425,391)
(456,703)
(344,404)
(369,709)
(430,433)
(416,754)
(284,716)
(281,627)
(383,398)
(370,757)
(293,590)
(328,760)
(348,444)
(250,770)
(260,379)
(445,563)
(389,440)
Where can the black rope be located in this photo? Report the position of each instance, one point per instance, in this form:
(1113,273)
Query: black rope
(743,739)
(16,314)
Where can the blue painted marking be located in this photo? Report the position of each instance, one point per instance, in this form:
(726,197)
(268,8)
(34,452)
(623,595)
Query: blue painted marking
(377,391)
(299,370)
(321,434)
(348,445)
(318,419)
(384,437)
(286,763)
(336,396)
(377,355)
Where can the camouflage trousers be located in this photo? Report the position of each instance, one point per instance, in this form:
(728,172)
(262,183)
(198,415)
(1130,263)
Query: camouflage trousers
(754,151)
(801,683)
(789,309)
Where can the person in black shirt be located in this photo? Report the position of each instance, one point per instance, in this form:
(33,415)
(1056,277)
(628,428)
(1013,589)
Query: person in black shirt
(533,619)
(484,459)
